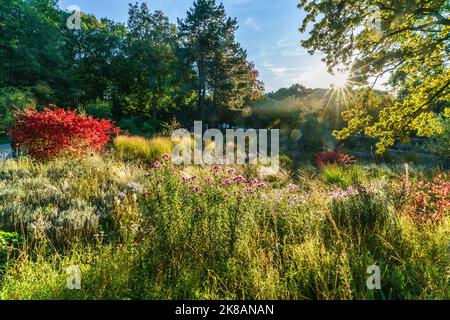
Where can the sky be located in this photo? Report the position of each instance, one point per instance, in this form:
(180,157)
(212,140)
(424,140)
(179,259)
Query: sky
(268,30)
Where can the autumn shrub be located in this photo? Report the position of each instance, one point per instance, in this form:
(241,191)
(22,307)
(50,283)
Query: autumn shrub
(333,157)
(52,133)
(432,199)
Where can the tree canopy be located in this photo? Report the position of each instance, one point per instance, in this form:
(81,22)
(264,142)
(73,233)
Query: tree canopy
(145,68)
(408,40)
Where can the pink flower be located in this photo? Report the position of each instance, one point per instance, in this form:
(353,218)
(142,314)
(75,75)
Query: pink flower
(193,178)
(228,182)
(239,179)
(209,180)
(196,188)
(231,171)
(167,156)
(157,165)
(249,190)
(262,185)
(253,182)
(185,179)
(216,168)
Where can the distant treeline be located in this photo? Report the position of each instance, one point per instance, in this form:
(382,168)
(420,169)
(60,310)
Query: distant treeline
(147,68)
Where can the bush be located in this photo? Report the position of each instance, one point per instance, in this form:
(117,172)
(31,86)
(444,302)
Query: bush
(140,149)
(286,162)
(440,145)
(333,157)
(99,109)
(13,100)
(51,133)
(128,124)
(139,126)
(9,241)
(343,177)
(360,213)
(432,200)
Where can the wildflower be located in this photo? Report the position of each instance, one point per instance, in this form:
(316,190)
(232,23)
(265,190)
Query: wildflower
(216,168)
(262,185)
(196,188)
(253,182)
(185,178)
(193,178)
(249,190)
(134,187)
(231,171)
(239,179)
(157,165)
(166,157)
(228,182)
(209,180)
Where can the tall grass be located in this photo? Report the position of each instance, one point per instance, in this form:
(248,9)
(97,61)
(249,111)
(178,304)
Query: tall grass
(141,149)
(160,236)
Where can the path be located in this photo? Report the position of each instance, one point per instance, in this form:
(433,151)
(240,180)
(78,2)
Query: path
(5,151)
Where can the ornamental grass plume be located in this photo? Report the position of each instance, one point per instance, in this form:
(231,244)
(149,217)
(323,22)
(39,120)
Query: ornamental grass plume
(52,133)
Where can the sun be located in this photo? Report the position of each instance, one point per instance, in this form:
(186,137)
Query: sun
(340,80)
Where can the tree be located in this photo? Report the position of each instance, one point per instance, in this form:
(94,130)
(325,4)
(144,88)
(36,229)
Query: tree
(148,78)
(30,47)
(92,53)
(408,39)
(13,100)
(296,91)
(223,76)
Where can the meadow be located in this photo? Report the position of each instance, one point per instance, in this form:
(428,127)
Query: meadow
(152,230)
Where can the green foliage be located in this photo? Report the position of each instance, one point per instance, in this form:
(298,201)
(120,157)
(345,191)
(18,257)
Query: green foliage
(341,176)
(163,237)
(361,215)
(286,162)
(440,145)
(221,74)
(12,100)
(31,31)
(9,242)
(408,39)
(296,91)
(99,109)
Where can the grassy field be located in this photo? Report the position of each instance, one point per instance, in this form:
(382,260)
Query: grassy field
(163,232)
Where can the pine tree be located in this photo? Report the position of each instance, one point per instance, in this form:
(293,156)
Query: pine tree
(223,76)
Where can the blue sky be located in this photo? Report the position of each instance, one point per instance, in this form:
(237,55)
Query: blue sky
(268,31)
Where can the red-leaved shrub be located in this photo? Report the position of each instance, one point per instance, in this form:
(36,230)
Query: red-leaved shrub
(333,157)
(50,133)
(432,200)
